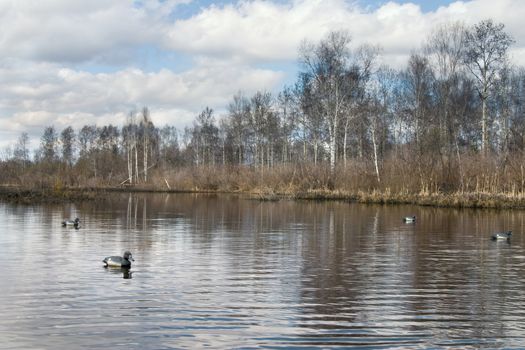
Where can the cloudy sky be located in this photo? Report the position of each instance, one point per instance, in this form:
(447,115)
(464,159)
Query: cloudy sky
(77,62)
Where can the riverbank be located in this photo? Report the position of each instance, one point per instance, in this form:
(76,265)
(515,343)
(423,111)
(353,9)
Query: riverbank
(25,195)
(452,200)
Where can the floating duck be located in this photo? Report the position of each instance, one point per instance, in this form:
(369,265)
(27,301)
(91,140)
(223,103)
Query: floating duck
(409,219)
(119,261)
(501,235)
(75,223)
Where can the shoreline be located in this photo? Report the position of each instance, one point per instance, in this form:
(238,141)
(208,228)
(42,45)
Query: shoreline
(475,200)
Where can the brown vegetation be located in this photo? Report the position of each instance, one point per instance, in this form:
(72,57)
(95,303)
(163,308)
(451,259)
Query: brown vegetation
(448,130)
(27,195)
(484,183)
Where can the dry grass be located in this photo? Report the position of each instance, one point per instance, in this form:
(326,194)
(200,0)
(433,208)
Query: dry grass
(483,185)
(477,181)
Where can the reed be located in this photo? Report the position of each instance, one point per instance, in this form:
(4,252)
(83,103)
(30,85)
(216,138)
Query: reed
(478,182)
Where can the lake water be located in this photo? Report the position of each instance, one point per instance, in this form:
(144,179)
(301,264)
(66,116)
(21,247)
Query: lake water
(226,272)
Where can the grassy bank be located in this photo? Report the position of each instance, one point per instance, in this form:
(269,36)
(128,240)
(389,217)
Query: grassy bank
(452,200)
(483,185)
(48,195)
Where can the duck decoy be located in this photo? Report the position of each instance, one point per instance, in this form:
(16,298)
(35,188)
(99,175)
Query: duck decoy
(501,235)
(409,219)
(119,261)
(75,223)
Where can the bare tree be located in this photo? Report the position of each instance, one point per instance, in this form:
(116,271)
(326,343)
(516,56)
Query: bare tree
(486,47)
(239,116)
(67,139)
(87,142)
(325,69)
(288,115)
(129,136)
(145,126)
(223,138)
(207,136)
(416,95)
(260,113)
(48,144)
(358,77)
(87,139)
(169,145)
(445,49)
(311,118)
(379,95)
(21,151)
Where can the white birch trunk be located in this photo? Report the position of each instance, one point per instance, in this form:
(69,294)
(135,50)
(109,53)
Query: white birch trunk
(136,165)
(376,160)
(130,163)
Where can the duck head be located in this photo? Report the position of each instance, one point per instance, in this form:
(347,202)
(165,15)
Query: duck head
(127,255)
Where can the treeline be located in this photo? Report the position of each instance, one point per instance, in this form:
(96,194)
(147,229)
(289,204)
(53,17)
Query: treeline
(451,121)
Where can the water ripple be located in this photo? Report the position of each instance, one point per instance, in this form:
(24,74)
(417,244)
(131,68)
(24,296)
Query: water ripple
(222,273)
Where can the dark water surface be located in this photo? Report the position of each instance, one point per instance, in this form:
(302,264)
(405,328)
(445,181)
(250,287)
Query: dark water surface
(224,272)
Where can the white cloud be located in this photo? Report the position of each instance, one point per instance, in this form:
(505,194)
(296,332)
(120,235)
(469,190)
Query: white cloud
(254,30)
(264,30)
(35,96)
(76,31)
(44,43)
(251,31)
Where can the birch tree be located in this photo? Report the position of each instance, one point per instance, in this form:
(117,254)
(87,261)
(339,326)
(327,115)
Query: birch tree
(67,139)
(21,151)
(311,119)
(325,70)
(357,79)
(207,136)
(287,111)
(379,95)
(239,115)
(260,108)
(445,50)
(169,145)
(145,127)
(129,136)
(486,46)
(48,144)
